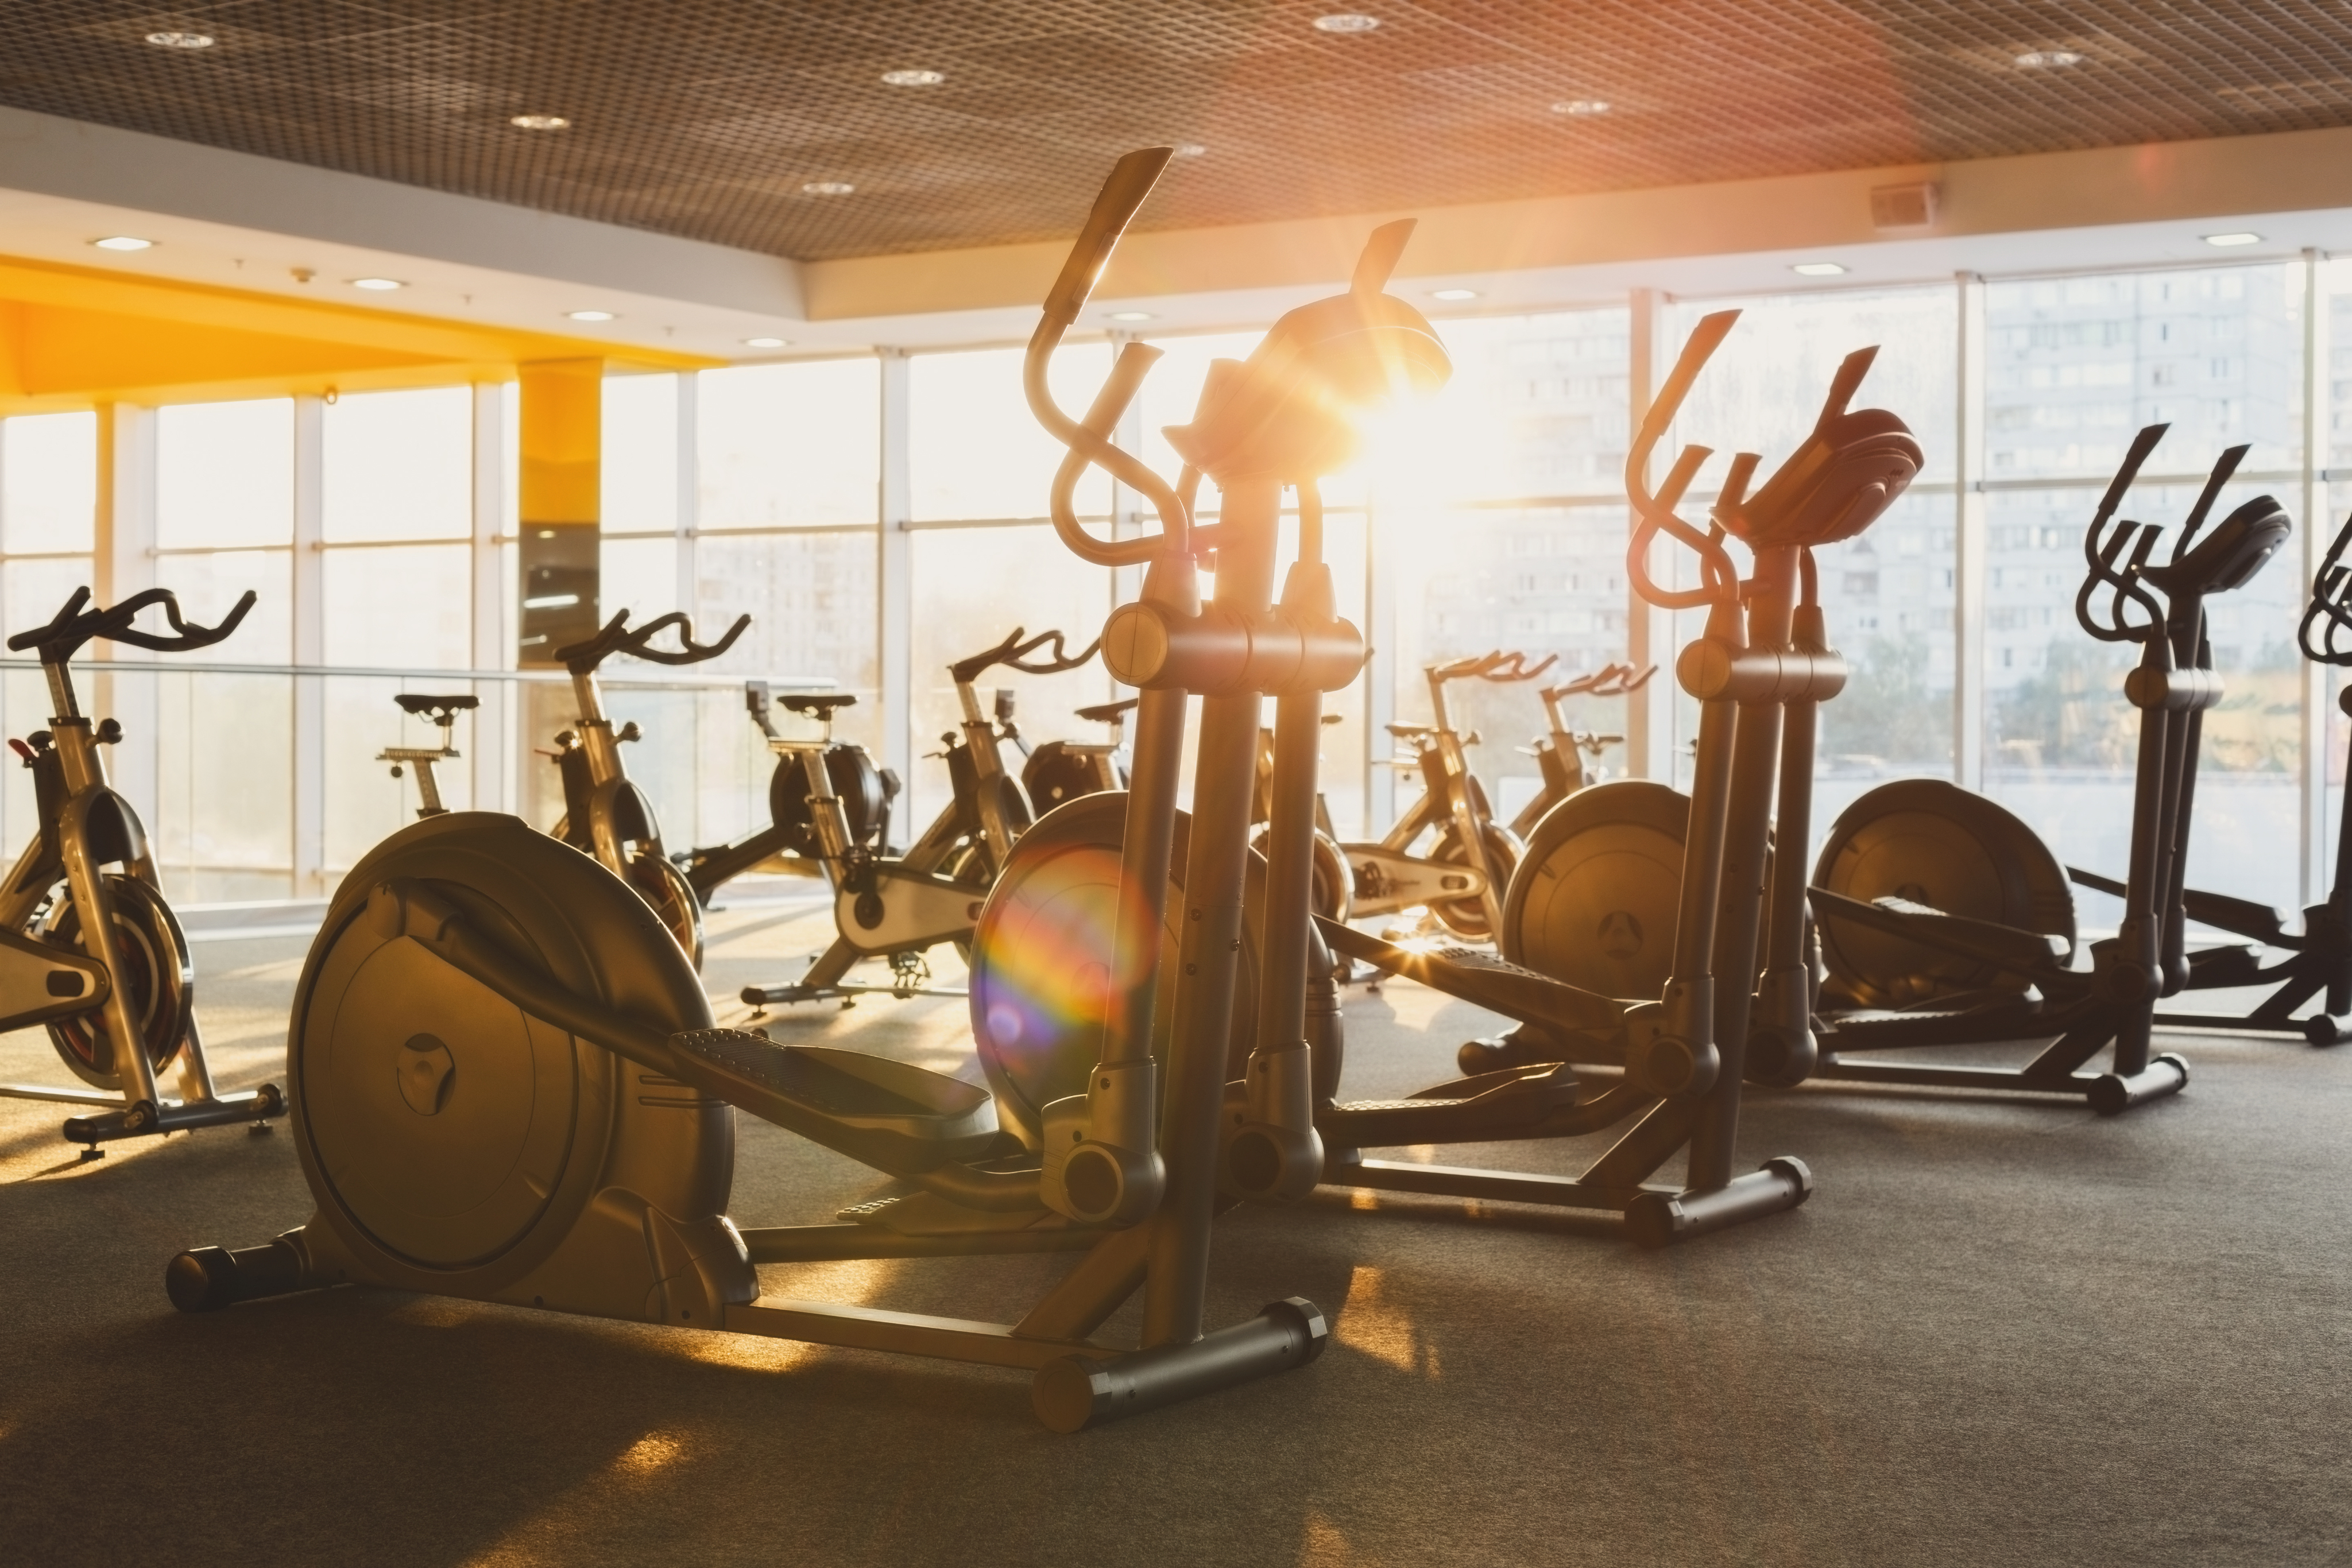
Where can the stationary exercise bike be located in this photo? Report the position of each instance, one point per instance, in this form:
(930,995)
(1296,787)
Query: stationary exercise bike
(1981,923)
(442,711)
(95,955)
(604,814)
(1461,880)
(2319,961)
(507,1087)
(1563,754)
(788,844)
(899,908)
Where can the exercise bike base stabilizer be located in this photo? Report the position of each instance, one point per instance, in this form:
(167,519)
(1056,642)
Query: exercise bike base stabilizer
(95,955)
(506,1085)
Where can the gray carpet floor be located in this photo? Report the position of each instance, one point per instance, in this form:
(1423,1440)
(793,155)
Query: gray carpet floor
(2000,1334)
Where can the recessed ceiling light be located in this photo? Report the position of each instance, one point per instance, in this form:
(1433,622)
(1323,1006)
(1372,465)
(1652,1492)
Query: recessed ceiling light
(914,77)
(175,40)
(1453,294)
(1189,150)
(541,122)
(1581,107)
(589,315)
(828,188)
(1130,316)
(123,242)
(2048,59)
(378,285)
(1346,22)
(1818,269)
(2241,238)
(765,344)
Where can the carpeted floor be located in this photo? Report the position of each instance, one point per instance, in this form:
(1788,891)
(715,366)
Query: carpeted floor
(2000,1334)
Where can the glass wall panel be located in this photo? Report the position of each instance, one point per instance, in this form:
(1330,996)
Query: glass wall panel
(225,474)
(48,481)
(640,575)
(813,602)
(793,445)
(2075,366)
(640,458)
(400,466)
(978,452)
(31,592)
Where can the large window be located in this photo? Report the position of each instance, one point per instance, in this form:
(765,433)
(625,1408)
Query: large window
(2074,367)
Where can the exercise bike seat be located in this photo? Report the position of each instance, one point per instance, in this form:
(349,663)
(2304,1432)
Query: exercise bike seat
(1409,731)
(1482,980)
(1103,713)
(822,704)
(419,702)
(897,1118)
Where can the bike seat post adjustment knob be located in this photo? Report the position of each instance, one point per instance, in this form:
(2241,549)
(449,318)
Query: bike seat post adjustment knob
(110,732)
(1101,1163)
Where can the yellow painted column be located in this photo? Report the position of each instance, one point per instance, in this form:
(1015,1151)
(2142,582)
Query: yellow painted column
(561,488)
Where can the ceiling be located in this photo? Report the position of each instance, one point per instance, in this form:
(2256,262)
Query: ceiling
(705,119)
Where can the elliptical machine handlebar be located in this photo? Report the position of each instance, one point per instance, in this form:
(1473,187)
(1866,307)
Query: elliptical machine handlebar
(1012,654)
(580,658)
(2329,587)
(1088,440)
(72,627)
(1656,508)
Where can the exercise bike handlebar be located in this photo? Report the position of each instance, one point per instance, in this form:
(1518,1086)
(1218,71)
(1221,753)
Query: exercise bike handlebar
(73,626)
(1611,680)
(1012,654)
(1498,666)
(615,637)
(1088,440)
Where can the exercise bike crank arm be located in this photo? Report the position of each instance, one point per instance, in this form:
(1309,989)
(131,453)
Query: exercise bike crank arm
(2028,955)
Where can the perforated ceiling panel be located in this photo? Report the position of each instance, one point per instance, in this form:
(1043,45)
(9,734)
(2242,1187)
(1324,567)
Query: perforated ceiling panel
(711,118)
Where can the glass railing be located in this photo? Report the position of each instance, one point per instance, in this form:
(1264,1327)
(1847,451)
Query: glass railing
(261,783)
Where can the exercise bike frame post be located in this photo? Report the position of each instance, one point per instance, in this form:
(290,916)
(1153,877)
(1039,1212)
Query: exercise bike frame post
(897,908)
(87,997)
(1464,890)
(606,814)
(632,1227)
(442,711)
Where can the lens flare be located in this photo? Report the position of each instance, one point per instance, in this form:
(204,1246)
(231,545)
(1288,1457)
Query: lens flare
(1041,967)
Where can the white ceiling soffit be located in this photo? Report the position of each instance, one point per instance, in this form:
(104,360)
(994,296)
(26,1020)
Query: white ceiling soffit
(243,221)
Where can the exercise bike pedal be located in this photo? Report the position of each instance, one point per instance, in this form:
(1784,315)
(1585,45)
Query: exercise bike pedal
(897,1118)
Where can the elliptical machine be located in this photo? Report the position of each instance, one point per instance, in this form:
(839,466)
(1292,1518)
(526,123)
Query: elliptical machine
(2319,961)
(1981,925)
(1681,1056)
(605,815)
(506,1085)
(898,909)
(1461,880)
(97,956)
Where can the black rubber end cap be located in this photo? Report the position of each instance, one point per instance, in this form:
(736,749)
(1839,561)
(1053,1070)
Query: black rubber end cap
(202,1279)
